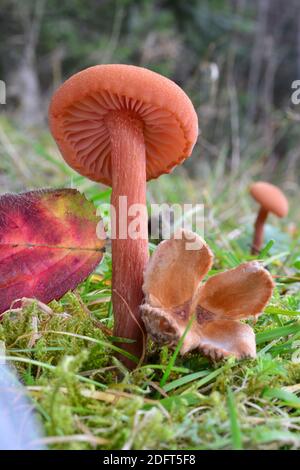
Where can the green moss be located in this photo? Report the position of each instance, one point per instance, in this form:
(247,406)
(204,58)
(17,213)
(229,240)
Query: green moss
(74,397)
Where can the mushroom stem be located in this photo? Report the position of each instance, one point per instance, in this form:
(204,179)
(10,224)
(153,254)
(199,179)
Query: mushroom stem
(129,252)
(258,237)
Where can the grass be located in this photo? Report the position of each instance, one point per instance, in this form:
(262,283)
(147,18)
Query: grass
(84,396)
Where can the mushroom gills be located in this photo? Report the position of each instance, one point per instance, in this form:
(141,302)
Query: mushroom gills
(84,127)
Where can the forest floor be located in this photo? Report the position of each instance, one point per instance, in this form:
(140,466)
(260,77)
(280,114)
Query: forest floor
(84,396)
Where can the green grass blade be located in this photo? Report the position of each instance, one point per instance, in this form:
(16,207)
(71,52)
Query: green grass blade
(274,333)
(280,311)
(236,435)
(44,365)
(98,341)
(208,378)
(185,380)
(265,251)
(175,354)
(288,398)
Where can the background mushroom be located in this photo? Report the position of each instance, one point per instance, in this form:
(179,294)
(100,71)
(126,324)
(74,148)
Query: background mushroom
(122,125)
(271,199)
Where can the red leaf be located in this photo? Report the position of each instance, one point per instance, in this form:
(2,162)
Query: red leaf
(48,244)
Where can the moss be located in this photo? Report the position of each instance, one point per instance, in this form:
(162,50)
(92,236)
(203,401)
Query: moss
(89,393)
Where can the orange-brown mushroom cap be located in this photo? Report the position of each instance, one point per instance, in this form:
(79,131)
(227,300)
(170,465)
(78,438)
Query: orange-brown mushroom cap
(79,107)
(270,197)
(175,295)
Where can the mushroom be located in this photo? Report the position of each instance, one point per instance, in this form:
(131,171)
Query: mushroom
(177,302)
(122,125)
(271,199)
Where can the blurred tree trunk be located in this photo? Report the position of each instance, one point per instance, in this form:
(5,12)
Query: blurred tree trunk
(25,80)
(28,89)
(257,56)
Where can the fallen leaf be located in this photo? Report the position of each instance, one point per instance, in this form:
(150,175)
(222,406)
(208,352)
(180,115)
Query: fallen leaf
(48,244)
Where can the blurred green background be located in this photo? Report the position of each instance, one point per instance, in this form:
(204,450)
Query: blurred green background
(236,59)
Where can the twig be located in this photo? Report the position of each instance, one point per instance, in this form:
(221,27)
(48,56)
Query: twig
(142,331)
(97,323)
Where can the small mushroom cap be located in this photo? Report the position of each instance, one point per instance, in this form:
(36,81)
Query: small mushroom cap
(174,271)
(270,197)
(238,293)
(174,295)
(79,107)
